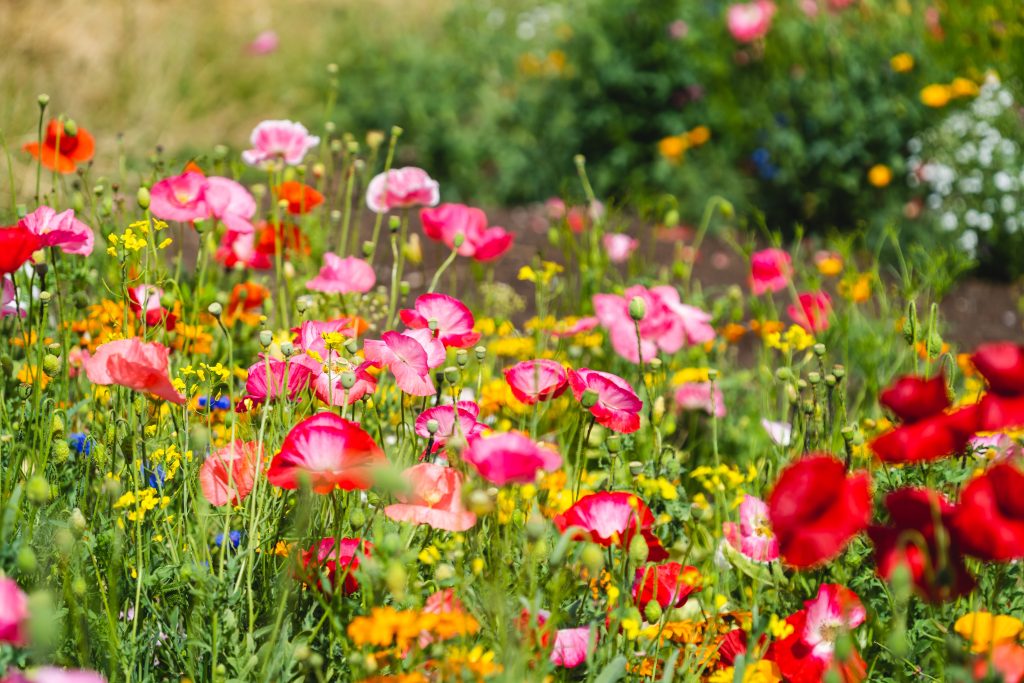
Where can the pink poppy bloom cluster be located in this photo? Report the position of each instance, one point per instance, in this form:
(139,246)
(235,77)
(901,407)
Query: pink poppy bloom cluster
(402,188)
(193,196)
(748,21)
(479,242)
(61,230)
(276,142)
(668,324)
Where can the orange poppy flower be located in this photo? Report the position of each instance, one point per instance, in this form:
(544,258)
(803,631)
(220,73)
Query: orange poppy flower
(290,235)
(246,300)
(301,198)
(60,151)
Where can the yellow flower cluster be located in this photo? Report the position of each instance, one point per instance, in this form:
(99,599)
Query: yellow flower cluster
(170,458)
(939,94)
(758,672)
(795,338)
(673,148)
(659,487)
(148,499)
(386,626)
(723,479)
(544,276)
(134,237)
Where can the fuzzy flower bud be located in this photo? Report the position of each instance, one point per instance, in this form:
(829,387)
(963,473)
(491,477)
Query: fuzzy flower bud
(637,309)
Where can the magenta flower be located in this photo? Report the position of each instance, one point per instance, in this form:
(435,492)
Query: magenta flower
(453,320)
(268,378)
(343,275)
(468,427)
(510,457)
(668,324)
(536,380)
(749,21)
(436,499)
(770,271)
(619,246)
(480,243)
(571,646)
(230,203)
(813,311)
(61,230)
(13,613)
(180,198)
(753,536)
(698,396)
(409,356)
(238,248)
(328,387)
(264,44)
(276,141)
(613,518)
(617,407)
(402,188)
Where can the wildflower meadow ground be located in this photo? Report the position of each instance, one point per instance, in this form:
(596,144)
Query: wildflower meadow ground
(290,412)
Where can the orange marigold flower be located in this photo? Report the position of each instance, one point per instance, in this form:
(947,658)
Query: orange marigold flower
(879,175)
(673,147)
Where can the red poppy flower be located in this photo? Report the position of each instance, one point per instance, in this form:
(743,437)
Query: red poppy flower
(915,398)
(928,439)
(669,584)
(289,234)
(815,509)
(613,518)
(335,560)
(797,664)
(1002,364)
(301,198)
(989,520)
(61,151)
(811,311)
(328,452)
(917,515)
(16,247)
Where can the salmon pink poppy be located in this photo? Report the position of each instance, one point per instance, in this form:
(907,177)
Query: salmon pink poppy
(668,324)
(1002,364)
(699,396)
(468,426)
(13,613)
(510,457)
(748,21)
(618,246)
(989,518)
(343,275)
(812,311)
(537,380)
(61,230)
(617,406)
(227,475)
(16,247)
(480,242)
(451,319)
(229,202)
(402,188)
(670,584)
(180,198)
(301,198)
(410,356)
(815,509)
(613,518)
(274,142)
(571,647)
(770,271)
(327,451)
(135,364)
(922,537)
(337,560)
(62,151)
(267,378)
(753,536)
(436,499)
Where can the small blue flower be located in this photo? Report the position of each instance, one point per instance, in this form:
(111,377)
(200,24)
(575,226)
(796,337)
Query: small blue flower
(155,477)
(234,537)
(222,403)
(80,443)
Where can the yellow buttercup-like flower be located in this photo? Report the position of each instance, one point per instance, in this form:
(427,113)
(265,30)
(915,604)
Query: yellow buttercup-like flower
(985,630)
(901,63)
(936,95)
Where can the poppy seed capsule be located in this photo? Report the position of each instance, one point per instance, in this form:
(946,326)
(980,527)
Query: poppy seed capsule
(215,309)
(51,365)
(367,249)
(593,559)
(348,380)
(613,443)
(462,357)
(638,549)
(394,223)
(637,309)
(432,426)
(451,374)
(635,467)
(589,398)
(481,352)
(819,349)
(266,338)
(43,100)
(287,348)
(813,378)
(142,197)
(652,612)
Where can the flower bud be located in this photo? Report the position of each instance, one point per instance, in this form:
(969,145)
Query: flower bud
(64,540)
(61,451)
(38,490)
(76,522)
(671,218)
(395,578)
(458,240)
(589,398)
(79,586)
(43,100)
(536,526)
(266,338)
(357,518)
(70,128)
(652,612)
(481,352)
(783,374)
(26,560)
(593,559)
(637,308)
(51,365)
(403,288)
(638,549)
(394,223)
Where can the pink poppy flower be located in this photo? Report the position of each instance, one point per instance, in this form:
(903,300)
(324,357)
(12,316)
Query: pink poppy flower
(698,396)
(267,380)
(578,326)
(61,230)
(276,141)
(134,364)
(180,198)
(571,647)
(749,21)
(813,311)
(617,407)
(613,518)
(835,610)
(409,356)
(52,674)
(436,499)
(264,44)
(468,427)
(668,324)
(230,203)
(510,457)
(770,271)
(228,474)
(401,188)
(144,301)
(336,560)
(781,433)
(343,275)
(327,451)
(753,536)
(13,613)
(618,246)
(536,380)
(311,334)
(9,304)
(480,243)
(328,387)
(453,320)
(239,248)
(669,584)
(555,208)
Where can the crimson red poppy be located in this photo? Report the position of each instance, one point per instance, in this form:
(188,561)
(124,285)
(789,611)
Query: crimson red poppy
(62,151)
(929,438)
(301,198)
(989,519)
(917,517)
(915,398)
(335,559)
(797,664)
(1002,364)
(613,518)
(815,509)
(16,247)
(669,584)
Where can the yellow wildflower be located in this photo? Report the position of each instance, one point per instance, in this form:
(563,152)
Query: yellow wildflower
(902,63)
